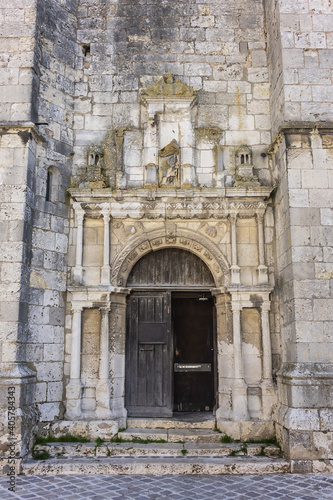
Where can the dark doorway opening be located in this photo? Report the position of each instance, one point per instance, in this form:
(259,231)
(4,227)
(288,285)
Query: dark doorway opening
(170,335)
(192,319)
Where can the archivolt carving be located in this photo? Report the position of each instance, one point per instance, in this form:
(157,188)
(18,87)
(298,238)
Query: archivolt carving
(186,239)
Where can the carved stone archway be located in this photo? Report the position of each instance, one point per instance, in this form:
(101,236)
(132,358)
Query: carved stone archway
(156,240)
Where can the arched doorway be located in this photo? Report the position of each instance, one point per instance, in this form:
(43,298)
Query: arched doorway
(170,342)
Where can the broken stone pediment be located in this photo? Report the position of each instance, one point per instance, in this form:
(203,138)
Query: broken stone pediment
(168,86)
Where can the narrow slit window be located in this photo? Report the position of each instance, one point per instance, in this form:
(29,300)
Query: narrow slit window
(48,185)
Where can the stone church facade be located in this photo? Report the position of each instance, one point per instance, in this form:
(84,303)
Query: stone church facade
(166,218)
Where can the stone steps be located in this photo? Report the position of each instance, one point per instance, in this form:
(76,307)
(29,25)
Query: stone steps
(182,421)
(172,435)
(189,446)
(157,465)
(75,450)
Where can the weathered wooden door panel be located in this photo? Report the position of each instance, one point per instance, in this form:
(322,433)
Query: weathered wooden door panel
(148,355)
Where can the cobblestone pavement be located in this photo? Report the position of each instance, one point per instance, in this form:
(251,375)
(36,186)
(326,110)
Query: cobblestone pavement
(98,487)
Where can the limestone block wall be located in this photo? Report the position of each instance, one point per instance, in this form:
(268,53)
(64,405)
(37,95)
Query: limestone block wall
(307,54)
(300,52)
(18,146)
(304,248)
(36,113)
(218,48)
(18,79)
(275,64)
(57,61)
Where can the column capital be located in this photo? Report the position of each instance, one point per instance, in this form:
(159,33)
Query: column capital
(266,305)
(236,305)
(105,308)
(77,307)
(106,215)
(216,292)
(79,211)
(260,212)
(118,291)
(233,215)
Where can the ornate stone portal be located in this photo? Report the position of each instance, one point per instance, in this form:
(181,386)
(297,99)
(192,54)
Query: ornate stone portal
(114,230)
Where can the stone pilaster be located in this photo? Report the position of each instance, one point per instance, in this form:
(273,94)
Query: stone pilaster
(223,355)
(117,354)
(239,403)
(79,217)
(74,387)
(105,271)
(262,268)
(103,388)
(235,269)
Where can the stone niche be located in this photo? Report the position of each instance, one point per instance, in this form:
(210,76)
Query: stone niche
(174,153)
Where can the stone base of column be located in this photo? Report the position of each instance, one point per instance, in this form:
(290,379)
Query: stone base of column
(262,272)
(224,410)
(105,275)
(235,275)
(103,389)
(78,274)
(18,383)
(239,401)
(269,399)
(247,429)
(74,399)
(90,429)
(119,411)
(304,418)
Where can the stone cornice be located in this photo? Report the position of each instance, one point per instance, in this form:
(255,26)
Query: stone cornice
(173,209)
(27,127)
(299,128)
(143,194)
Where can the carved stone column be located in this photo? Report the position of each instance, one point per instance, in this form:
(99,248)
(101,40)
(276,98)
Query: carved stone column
(79,216)
(74,387)
(105,272)
(268,392)
(103,388)
(262,268)
(235,269)
(240,411)
(117,354)
(266,342)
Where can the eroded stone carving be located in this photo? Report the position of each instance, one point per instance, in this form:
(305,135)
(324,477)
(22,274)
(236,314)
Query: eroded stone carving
(169,164)
(168,86)
(212,134)
(244,168)
(94,175)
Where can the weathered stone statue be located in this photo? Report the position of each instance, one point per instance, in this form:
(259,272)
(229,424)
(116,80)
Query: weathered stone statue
(169,164)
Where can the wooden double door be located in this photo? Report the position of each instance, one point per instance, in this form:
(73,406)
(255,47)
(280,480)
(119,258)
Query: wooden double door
(169,353)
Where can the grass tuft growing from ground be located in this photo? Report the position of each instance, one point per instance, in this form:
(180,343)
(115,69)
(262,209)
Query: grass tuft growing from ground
(66,438)
(40,455)
(99,441)
(226,439)
(136,440)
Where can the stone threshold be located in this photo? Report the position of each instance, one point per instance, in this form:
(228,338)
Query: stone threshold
(157,465)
